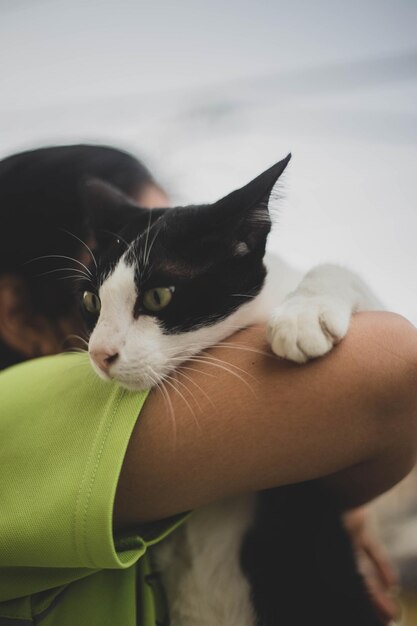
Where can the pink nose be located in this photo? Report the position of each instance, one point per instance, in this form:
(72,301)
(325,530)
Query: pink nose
(103,359)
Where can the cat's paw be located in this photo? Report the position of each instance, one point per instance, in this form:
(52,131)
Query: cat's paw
(306,327)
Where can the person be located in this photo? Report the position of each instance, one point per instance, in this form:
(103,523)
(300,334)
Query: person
(87,487)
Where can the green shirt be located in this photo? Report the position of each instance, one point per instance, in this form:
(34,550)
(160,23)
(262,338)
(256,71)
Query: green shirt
(63,436)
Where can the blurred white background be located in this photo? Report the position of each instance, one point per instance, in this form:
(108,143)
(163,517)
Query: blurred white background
(211,93)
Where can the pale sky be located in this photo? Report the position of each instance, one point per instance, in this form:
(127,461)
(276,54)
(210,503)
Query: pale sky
(211,93)
(54,50)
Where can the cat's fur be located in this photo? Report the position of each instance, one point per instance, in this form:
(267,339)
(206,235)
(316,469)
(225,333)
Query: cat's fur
(281,557)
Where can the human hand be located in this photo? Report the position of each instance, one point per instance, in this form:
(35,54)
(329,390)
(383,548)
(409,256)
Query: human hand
(374,565)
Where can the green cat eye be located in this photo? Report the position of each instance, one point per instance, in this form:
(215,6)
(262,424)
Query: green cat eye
(91,302)
(157,298)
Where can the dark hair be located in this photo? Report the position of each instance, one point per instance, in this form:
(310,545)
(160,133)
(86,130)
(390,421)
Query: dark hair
(42,213)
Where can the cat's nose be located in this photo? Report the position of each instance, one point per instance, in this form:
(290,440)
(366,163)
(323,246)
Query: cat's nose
(104,358)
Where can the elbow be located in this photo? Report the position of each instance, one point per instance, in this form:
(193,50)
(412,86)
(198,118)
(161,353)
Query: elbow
(391,342)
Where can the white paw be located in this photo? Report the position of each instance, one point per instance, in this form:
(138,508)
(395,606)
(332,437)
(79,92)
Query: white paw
(306,327)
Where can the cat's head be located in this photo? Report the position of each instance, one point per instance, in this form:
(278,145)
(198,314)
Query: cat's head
(171,282)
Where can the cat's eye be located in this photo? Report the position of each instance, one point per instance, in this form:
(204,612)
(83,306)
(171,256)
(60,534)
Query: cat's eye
(91,302)
(157,298)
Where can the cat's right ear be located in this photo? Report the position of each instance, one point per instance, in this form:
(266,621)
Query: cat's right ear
(245,214)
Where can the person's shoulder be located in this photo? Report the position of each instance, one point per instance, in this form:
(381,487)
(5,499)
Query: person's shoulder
(73,365)
(63,386)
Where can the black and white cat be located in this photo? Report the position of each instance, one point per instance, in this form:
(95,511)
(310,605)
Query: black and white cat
(172,283)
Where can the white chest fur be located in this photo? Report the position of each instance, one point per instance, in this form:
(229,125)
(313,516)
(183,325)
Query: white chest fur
(200,566)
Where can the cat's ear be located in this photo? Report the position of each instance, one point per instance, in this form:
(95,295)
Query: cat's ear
(246,209)
(105,204)
(109,210)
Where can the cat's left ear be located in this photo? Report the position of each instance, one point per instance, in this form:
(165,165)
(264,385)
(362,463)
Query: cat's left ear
(106,205)
(109,210)
(246,209)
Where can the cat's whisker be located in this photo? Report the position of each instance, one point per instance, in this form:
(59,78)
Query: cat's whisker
(144,255)
(58,256)
(243,295)
(161,386)
(65,269)
(149,268)
(158,230)
(205,358)
(175,375)
(196,350)
(210,357)
(193,369)
(235,346)
(194,346)
(78,338)
(76,350)
(180,372)
(82,339)
(75,277)
(146,248)
(84,244)
(171,382)
(226,369)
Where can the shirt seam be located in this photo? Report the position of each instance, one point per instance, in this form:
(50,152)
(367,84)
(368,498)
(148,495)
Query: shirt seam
(83,513)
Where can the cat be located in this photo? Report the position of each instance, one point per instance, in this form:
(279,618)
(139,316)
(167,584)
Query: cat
(172,282)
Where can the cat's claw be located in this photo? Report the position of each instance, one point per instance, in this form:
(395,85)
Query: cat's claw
(306,327)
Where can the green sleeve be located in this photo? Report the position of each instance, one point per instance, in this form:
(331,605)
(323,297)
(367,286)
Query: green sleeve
(63,436)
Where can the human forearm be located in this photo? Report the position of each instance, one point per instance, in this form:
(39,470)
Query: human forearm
(285,423)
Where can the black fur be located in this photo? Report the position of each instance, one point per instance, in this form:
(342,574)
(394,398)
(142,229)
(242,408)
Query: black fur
(300,563)
(212,255)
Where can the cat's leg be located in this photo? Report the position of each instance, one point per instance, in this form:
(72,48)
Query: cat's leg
(316,316)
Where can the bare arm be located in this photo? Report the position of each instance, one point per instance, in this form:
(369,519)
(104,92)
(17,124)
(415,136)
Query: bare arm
(350,417)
